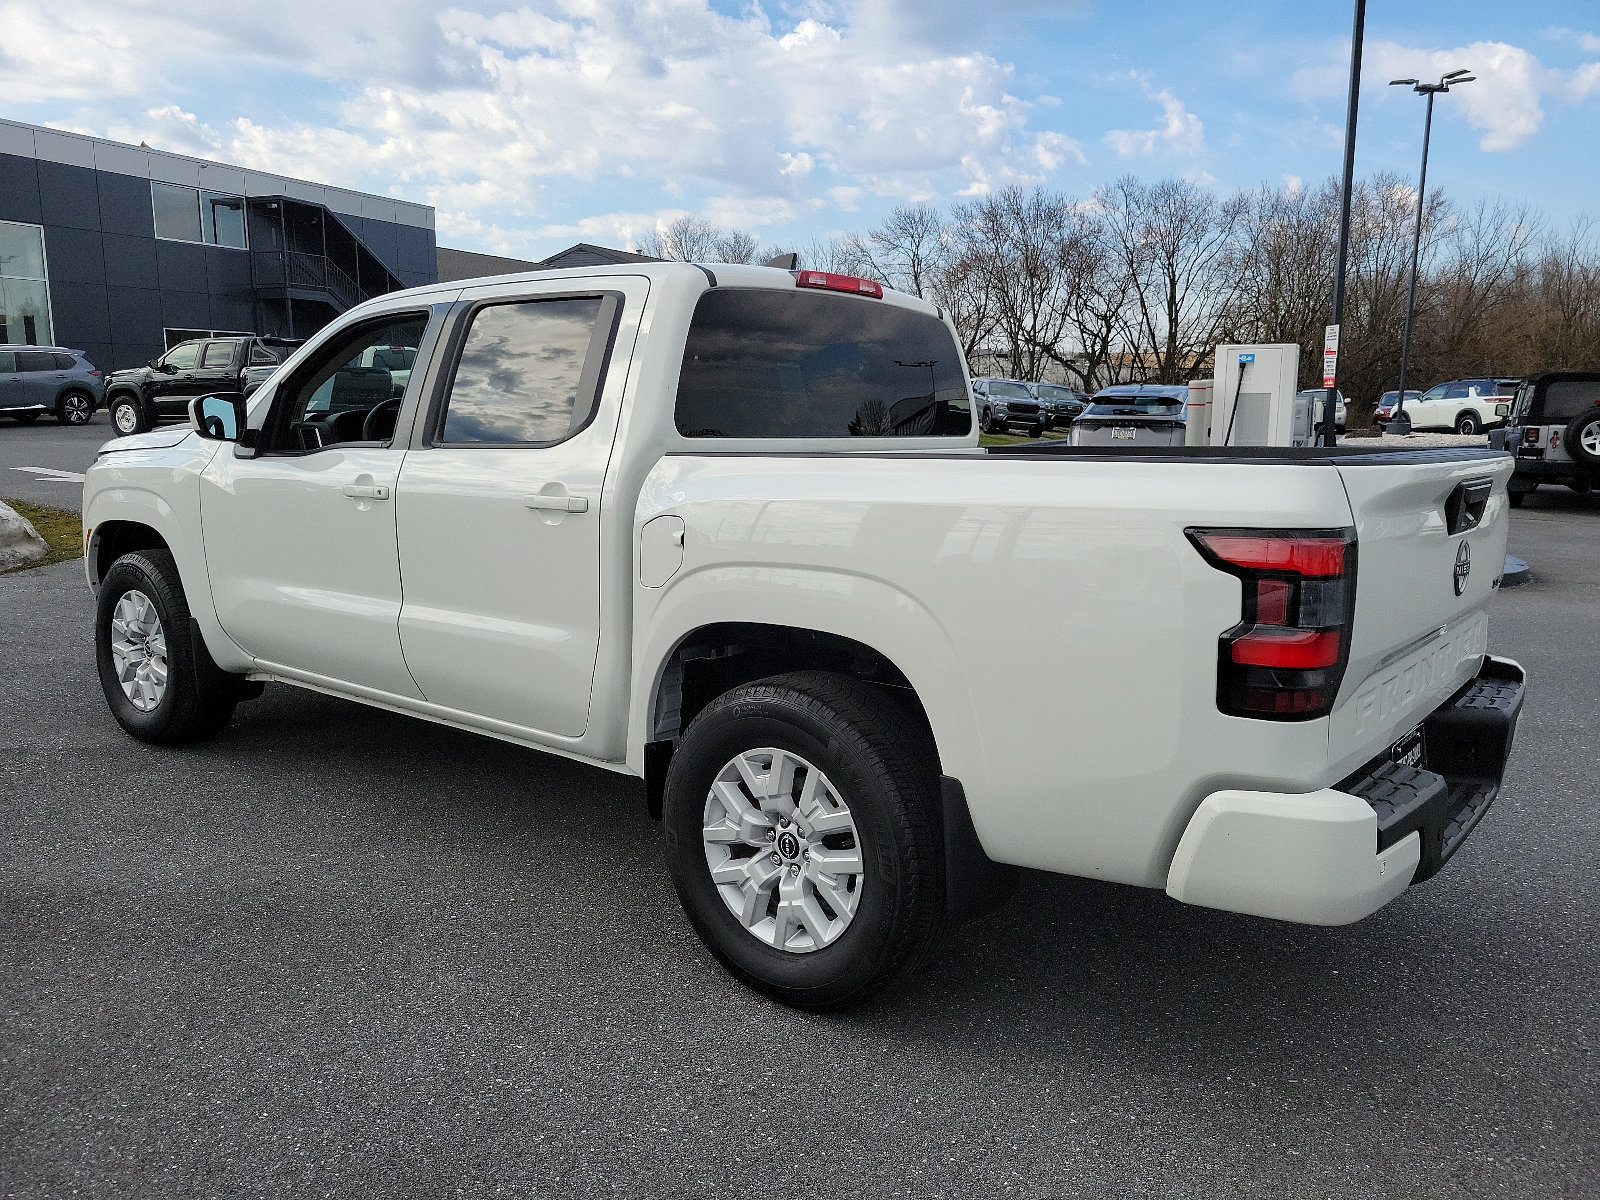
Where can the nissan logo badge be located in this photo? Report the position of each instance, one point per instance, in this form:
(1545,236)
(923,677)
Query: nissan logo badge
(1463,567)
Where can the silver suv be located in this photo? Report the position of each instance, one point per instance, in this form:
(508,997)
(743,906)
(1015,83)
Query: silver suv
(35,380)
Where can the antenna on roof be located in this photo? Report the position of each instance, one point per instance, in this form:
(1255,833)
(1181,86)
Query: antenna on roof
(784,262)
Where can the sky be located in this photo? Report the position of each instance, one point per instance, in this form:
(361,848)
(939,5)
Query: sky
(530,127)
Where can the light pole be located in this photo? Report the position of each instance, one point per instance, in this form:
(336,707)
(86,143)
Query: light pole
(1330,433)
(1400,423)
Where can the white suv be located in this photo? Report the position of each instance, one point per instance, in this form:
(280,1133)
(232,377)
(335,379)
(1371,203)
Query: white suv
(1464,405)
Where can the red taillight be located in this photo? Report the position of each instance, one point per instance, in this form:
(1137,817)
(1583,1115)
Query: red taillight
(96,371)
(1316,556)
(839,283)
(1530,436)
(1285,658)
(1291,649)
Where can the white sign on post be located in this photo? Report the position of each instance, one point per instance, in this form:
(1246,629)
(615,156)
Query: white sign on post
(1330,355)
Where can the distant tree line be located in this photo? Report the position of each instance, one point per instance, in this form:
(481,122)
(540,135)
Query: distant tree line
(1141,281)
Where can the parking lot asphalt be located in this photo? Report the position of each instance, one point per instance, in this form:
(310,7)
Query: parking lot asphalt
(339,952)
(61,454)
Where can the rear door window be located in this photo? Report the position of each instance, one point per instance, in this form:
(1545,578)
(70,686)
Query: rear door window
(36,360)
(764,363)
(218,354)
(529,373)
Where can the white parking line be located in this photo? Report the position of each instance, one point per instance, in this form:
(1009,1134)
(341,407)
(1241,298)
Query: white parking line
(53,475)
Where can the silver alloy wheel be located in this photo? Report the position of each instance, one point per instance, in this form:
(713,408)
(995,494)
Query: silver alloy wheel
(127,418)
(77,409)
(1589,438)
(139,650)
(783,850)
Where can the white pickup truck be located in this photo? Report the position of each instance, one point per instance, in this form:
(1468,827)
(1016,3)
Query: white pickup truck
(729,530)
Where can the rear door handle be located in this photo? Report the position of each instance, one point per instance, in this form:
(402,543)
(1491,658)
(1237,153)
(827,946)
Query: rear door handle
(566,504)
(366,491)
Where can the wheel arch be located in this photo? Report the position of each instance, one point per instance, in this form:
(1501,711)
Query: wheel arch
(700,641)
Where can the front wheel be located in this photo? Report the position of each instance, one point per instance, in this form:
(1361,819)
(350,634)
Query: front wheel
(127,416)
(1035,431)
(803,837)
(1468,424)
(158,677)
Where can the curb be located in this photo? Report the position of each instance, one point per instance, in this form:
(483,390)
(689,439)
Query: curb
(1516,573)
(20,543)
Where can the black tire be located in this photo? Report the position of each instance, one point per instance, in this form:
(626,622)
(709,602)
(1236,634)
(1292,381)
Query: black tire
(1516,498)
(1583,423)
(74,408)
(990,425)
(199,696)
(27,418)
(128,415)
(882,764)
(1035,431)
(1468,423)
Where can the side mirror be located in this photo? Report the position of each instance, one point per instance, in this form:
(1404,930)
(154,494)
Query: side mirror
(167,368)
(1502,410)
(218,418)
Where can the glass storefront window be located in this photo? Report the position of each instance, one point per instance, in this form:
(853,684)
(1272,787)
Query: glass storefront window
(24,292)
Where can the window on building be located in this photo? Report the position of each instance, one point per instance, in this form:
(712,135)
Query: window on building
(529,373)
(24,290)
(175,336)
(186,214)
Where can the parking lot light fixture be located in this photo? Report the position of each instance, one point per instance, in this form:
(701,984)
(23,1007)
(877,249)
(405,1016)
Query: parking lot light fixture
(1400,422)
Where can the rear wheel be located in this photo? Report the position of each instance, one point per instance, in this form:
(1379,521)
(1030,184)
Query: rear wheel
(128,416)
(1516,498)
(75,408)
(159,679)
(1467,423)
(803,836)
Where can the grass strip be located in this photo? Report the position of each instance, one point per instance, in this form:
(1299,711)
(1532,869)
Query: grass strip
(61,530)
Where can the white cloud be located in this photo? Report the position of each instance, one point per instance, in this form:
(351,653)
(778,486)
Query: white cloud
(1180,130)
(475,111)
(1503,101)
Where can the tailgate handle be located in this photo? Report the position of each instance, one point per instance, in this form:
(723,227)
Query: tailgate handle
(1464,508)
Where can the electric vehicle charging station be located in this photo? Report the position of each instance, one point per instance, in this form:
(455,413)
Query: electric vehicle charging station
(1197,414)
(1255,397)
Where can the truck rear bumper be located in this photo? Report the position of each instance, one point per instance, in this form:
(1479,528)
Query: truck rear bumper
(1337,855)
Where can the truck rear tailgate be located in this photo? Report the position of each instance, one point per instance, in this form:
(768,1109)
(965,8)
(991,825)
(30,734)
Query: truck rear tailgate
(1430,552)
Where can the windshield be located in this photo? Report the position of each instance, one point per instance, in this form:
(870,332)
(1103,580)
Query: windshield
(1010,391)
(764,363)
(1047,392)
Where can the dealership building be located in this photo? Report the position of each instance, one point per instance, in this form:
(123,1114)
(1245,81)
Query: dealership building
(123,251)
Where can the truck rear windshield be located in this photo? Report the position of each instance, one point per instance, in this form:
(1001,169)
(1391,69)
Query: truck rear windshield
(763,363)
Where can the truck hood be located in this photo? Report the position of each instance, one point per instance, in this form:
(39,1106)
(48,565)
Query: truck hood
(156,439)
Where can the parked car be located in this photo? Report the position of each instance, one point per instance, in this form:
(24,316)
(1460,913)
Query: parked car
(1389,401)
(713,571)
(1134,415)
(140,397)
(1555,432)
(1008,404)
(1466,406)
(35,380)
(1315,396)
(1062,405)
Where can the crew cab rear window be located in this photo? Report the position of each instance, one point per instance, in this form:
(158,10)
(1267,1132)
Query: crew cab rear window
(764,363)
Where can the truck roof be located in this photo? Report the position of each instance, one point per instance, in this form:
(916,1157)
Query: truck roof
(715,275)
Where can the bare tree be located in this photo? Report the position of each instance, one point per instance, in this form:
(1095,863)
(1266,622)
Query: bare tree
(694,239)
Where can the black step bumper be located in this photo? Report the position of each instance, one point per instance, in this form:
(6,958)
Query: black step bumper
(1466,743)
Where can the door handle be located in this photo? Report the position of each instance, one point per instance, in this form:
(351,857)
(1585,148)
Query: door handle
(366,491)
(566,504)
